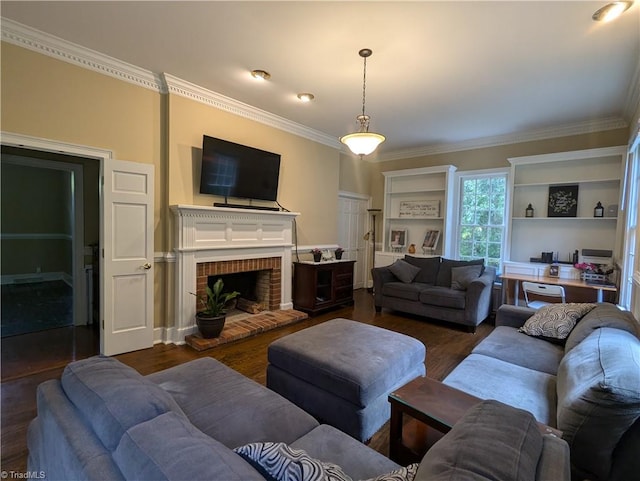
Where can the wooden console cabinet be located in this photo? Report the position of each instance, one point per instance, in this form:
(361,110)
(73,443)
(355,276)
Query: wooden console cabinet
(322,285)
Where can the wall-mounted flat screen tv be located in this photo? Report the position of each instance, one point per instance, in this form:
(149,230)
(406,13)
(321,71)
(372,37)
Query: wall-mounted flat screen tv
(234,170)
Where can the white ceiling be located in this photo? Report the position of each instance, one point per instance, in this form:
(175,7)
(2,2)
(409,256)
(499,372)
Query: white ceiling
(441,72)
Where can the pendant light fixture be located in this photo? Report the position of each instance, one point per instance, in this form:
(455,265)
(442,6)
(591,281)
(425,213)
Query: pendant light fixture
(363,142)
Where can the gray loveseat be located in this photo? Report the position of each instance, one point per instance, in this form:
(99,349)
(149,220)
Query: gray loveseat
(438,288)
(589,388)
(103,420)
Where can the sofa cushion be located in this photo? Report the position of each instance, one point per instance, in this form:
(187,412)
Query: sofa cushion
(492,441)
(604,315)
(599,397)
(327,443)
(404,271)
(214,397)
(168,447)
(429,267)
(112,397)
(444,273)
(555,321)
(462,276)
(280,462)
(509,345)
(443,297)
(489,378)
(410,292)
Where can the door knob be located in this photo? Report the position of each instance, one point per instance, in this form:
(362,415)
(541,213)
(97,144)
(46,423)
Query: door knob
(146,266)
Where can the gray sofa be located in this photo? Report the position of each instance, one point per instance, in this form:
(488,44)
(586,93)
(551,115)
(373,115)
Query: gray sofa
(430,287)
(589,388)
(103,420)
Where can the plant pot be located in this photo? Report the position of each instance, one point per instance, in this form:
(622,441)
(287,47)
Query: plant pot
(338,255)
(317,257)
(210,326)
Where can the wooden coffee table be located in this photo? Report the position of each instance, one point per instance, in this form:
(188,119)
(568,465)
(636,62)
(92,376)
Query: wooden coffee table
(433,408)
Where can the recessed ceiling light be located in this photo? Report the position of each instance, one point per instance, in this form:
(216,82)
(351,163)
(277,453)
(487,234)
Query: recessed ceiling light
(610,11)
(306,97)
(260,74)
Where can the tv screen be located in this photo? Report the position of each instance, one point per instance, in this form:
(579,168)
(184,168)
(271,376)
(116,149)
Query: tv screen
(234,170)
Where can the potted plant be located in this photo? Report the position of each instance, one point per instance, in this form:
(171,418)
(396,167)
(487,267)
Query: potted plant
(211,318)
(317,254)
(338,252)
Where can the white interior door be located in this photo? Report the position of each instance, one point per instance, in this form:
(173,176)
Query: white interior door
(352,218)
(126,237)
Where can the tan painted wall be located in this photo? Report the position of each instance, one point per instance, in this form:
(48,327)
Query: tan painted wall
(355,174)
(47,98)
(309,172)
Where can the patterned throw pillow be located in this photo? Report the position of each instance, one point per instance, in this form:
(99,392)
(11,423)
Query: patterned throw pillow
(279,462)
(555,321)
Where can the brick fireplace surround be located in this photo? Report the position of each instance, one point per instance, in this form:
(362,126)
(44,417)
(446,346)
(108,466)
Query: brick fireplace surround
(269,264)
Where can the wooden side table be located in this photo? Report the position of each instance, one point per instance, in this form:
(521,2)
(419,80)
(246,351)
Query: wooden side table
(434,408)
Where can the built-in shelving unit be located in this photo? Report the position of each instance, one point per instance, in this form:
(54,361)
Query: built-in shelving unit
(416,201)
(596,172)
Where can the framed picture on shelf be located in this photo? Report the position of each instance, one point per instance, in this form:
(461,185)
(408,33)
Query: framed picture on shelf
(398,238)
(431,239)
(563,201)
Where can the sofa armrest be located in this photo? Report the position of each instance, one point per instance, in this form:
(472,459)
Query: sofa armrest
(478,298)
(513,316)
(380,276)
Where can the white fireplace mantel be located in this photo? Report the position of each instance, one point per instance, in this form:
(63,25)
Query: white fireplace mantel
(212,234)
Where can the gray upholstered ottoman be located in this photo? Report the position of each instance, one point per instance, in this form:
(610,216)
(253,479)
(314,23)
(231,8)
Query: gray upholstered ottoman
(342,372)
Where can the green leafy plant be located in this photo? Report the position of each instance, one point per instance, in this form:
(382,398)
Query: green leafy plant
(215,301)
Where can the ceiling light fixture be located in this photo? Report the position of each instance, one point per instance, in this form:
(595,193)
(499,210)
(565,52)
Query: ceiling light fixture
(610,11)
(260,74)
(306,97)
(363,142)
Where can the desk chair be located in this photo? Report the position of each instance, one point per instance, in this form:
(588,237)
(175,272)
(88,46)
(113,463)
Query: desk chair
(546,290)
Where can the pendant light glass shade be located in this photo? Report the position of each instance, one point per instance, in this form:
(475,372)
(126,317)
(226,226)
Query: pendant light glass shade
(363,142)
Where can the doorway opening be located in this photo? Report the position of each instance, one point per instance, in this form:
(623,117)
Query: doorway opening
(50,232)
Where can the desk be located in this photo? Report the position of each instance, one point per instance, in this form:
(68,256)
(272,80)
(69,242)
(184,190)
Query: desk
(549,280)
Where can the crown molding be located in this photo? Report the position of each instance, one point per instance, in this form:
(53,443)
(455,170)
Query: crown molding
(52,46)
(184,88)
(46,44)
(577,128)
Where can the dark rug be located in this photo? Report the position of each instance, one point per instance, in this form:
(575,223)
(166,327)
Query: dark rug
(33,307)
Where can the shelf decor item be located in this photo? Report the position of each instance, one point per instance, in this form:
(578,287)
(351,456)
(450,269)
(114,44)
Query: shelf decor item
(398,239)
(420,209)
(528,212)
(431,239)
(598,210)
(317,254)
(338,253)
(563,201)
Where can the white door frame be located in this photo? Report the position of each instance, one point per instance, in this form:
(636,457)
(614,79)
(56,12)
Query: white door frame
(78,283)
(47,145)
(364,228)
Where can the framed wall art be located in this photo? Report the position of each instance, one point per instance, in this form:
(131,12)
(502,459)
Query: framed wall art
(431,239)
(563,201)
(420,209)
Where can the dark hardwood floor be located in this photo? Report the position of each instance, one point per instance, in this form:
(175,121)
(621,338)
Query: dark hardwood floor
(446,347)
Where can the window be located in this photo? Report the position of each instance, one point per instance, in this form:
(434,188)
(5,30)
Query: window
(482,215)
(631,194)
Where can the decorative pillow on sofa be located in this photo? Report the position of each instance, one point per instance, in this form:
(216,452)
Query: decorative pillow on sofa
(404,271)
(429,267)
(279,462)
(444,273)
(492,441)
(461,277)
(555,321)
